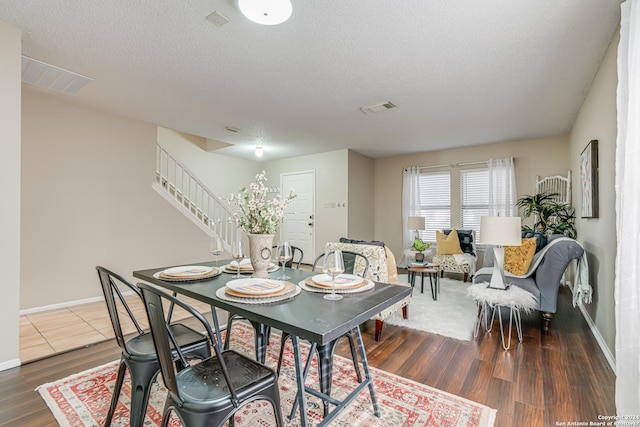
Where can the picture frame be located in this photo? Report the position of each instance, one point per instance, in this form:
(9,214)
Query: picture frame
(589,180)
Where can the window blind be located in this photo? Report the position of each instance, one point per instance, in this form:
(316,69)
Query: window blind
(474,194)
(435,196)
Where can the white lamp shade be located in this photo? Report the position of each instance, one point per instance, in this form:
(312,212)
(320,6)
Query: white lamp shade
(501,230)
(416,223)
(266,12)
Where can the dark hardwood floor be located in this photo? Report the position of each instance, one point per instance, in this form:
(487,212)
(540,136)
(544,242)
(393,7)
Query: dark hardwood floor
(548,379)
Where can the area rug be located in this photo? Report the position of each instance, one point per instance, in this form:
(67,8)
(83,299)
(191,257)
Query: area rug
(83,399)
(453,314)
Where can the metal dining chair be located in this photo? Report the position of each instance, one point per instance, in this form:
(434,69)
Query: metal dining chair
(297,253)
(138,354)
(211,392)
(351,261)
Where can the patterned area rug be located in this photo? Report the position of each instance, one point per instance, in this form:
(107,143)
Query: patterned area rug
(453,314)
(83,399)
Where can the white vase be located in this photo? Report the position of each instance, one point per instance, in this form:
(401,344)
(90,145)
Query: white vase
(260,252)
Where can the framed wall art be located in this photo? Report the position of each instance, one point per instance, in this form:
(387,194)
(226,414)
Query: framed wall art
(589,180)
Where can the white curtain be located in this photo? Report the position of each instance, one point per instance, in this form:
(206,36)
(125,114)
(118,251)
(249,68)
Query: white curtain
(627,185)
(410,201)
(502,187)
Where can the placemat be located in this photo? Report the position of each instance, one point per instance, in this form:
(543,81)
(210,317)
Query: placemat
(215,272)
(304,284)
(295,290)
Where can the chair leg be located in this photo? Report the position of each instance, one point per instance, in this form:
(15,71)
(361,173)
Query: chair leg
(405,312)
(546,322)
(378,333)
(283,340)
(142,377)
(116,393)
(227,335)
(466,277)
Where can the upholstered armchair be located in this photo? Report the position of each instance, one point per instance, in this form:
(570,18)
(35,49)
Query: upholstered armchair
(456,252)
(382,268)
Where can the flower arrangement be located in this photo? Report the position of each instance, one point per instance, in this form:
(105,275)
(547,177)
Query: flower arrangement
(257,214)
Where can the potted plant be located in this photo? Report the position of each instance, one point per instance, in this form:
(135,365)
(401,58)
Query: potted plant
(420,246)
(550,217)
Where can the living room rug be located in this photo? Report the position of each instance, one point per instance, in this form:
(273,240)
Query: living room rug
(83,399)
(453,314)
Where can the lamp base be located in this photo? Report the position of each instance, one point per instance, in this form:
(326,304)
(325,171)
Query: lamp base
(497,278)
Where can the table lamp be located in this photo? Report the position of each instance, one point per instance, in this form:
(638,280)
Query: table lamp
(416,223)
(500,231)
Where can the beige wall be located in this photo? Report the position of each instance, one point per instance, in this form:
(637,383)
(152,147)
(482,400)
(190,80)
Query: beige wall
(548,156)
(597,120)
(221,174)
(87,200)
(10,50)
(361,197)
(331,191)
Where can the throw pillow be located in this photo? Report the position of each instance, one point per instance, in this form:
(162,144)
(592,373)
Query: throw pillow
(466,240)
(448,244)
(517,259)
(541,238)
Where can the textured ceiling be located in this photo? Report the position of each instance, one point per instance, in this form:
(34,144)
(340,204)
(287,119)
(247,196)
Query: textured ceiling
(461,72)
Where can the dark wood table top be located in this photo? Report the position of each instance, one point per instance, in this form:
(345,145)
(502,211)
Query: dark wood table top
(308,315)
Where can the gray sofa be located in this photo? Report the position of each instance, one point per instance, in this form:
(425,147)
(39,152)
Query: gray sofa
(545,274)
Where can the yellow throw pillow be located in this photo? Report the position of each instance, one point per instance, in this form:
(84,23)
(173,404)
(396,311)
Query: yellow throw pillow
(517,259)
(448,244)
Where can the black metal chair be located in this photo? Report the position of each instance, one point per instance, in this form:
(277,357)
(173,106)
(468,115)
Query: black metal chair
(138,354)
(209,393)
(351,259)
(297,254)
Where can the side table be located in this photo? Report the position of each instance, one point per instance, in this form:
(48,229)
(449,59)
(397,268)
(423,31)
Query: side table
(432,270)
(492,300)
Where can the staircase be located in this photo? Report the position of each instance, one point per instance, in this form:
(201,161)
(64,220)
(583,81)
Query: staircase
(180,187)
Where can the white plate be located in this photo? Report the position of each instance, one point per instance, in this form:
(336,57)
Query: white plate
(188,271)
(245,265)
(343,280)
(251,286)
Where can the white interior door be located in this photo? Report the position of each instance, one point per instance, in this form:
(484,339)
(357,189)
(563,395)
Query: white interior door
(299,220)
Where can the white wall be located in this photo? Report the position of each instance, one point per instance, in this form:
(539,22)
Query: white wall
(87,201)
(10,50)
(597,119)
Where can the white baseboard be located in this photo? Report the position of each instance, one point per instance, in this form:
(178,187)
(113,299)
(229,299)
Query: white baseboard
(66,304)
(596,333)
(9,364)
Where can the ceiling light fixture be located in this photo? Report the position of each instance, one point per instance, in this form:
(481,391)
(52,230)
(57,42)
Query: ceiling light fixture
(266,12)
(259,151)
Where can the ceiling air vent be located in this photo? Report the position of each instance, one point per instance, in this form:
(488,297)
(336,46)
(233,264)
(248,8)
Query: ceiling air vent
(377,108)
(47,76)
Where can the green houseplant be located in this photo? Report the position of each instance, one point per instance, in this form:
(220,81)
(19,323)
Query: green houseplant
(420,246)
(550,217)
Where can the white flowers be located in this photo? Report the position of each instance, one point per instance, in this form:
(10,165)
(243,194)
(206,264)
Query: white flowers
(257,214)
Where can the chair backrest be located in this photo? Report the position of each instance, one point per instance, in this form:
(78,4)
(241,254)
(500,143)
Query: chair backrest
(351,260)
(164,341)
(297,253)
(110,281)
(375,254)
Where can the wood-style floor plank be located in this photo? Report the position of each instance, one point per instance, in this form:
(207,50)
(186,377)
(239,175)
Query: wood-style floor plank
(551,378)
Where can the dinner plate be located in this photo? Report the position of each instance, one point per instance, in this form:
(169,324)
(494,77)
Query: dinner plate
(233,270)
(245,265)
(342,281)
(188,271)
(254,286)
(162,276)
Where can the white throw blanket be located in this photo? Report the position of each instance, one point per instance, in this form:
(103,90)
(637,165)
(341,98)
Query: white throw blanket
(466,258)
(581,290)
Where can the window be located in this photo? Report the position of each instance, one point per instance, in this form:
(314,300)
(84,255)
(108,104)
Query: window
(474,198)
(435,196)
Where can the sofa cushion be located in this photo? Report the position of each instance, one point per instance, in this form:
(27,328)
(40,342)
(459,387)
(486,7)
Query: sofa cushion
(541,238)
(465,237)
(448,244)
(517,259)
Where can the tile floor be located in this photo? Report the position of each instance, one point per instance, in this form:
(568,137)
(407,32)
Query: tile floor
(46,333)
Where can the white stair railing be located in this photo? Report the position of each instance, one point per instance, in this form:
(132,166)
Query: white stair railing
(187,193)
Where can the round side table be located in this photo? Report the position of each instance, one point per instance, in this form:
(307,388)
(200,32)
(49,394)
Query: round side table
(431,270)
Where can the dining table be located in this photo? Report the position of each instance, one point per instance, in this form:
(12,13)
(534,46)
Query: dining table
(305,316)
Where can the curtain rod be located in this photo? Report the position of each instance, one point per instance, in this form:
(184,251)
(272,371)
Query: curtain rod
(454,165)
